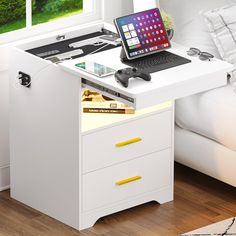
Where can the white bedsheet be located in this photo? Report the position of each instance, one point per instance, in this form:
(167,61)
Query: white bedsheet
(211,114)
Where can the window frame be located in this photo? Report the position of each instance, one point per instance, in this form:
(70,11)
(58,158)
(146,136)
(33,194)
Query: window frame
(30,30)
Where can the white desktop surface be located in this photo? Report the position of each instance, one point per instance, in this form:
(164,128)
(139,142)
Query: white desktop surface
(169,84)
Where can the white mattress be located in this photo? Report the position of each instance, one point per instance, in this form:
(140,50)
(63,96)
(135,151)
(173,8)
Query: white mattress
(211,114)
(205,155)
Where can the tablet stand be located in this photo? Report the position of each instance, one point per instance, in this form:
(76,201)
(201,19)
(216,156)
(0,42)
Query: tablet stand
(123,56)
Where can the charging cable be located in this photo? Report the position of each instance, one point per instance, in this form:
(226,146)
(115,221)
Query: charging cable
(97,50)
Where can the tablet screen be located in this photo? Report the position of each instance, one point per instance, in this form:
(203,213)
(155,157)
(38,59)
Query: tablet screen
(142,33)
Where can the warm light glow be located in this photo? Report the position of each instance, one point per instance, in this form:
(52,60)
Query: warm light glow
(91,121)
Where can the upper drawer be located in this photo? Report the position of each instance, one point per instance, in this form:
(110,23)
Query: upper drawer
(124,142)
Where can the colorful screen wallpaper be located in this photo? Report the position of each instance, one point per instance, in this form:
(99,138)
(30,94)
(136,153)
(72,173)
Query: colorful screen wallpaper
(143,33)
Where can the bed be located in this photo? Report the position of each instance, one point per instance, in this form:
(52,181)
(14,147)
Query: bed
(205,137)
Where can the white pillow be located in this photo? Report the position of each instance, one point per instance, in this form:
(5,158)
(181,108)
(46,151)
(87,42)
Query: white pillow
(222,25)
(189,25)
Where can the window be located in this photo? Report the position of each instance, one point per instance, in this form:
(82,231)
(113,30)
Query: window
(12,15)
(47,10)
(38,16)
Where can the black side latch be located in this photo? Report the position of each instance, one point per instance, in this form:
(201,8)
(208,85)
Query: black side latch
(25,79)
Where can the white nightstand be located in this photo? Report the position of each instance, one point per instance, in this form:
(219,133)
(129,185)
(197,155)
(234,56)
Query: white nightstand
(79,167)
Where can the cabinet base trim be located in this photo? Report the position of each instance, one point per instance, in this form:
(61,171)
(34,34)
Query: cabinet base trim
(160,196)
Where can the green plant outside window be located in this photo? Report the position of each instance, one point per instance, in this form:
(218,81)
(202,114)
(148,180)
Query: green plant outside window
(12,15)
(13,12)
(48,10)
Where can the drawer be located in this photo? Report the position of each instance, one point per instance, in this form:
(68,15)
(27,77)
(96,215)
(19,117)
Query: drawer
(120,182)
(126,141)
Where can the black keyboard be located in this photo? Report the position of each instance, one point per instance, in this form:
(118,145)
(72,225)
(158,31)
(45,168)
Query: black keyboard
(157,62)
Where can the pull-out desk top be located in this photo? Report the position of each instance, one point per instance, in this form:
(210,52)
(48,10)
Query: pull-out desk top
(170,84)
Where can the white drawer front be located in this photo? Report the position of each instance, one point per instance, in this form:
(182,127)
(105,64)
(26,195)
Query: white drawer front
(151,172)
(127,141)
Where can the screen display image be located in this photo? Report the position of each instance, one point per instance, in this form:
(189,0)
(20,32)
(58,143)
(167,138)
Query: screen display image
(95,68)
(142,33)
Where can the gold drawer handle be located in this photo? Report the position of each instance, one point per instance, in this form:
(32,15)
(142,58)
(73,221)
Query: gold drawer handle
(131,141)
(126,181)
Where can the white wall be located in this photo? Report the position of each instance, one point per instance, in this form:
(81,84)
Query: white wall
(4,135)
(4,101)
(141,6)
(125,7)
(116,8)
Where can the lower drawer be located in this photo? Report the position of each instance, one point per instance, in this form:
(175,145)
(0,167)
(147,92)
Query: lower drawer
(119,182)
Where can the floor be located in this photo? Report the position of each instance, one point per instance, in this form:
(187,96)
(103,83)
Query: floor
(199,201)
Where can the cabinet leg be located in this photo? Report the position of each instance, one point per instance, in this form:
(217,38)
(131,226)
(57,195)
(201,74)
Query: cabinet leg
(166,196)
(88,221)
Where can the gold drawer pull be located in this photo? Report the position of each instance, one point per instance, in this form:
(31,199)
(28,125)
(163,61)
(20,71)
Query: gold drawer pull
(126,181)
(131,141)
